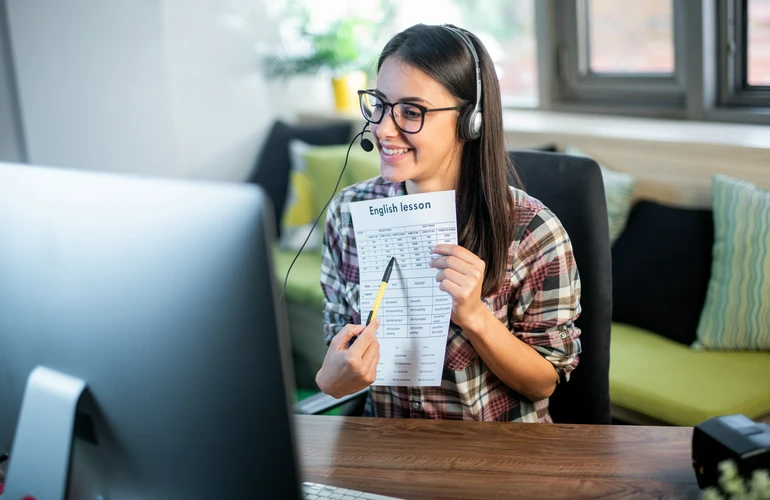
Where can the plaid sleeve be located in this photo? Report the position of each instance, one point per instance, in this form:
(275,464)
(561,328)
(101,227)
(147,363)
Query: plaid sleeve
(338,310)
(549,298)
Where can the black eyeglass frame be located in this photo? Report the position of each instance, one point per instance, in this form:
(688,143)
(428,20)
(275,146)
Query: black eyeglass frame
(392,106)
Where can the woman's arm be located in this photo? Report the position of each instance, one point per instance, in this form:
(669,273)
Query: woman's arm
(541,345)
(514,362)
(351,360)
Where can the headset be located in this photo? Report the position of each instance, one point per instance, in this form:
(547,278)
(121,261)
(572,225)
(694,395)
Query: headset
(469,127)
(471,119)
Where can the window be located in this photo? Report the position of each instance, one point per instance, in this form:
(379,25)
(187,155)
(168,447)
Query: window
(758,43)
(744,42)
(706,60)
(703,59)
(507,29)
(630,37)
(619,56)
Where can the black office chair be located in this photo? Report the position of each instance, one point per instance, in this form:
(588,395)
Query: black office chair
(573,189)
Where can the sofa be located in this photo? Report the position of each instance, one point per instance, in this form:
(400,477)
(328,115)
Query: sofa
(661,273)
(662,258)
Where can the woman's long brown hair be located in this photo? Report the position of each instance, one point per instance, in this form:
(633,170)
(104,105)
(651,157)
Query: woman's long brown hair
(485,210)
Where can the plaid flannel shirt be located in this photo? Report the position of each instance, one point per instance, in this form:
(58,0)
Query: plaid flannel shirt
(541,285)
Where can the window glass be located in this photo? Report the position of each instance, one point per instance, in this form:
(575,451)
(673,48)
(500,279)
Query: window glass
(630,37)
(505,27)
(758,56)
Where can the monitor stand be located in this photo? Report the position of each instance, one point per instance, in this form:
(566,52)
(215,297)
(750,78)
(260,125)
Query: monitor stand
(42,448)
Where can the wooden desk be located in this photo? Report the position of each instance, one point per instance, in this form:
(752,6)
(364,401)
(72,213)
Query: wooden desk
(416,459)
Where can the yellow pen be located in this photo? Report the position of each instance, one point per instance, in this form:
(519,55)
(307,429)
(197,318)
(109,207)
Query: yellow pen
(381,291)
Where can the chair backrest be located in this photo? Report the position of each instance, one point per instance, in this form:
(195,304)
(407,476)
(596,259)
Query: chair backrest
(572,188)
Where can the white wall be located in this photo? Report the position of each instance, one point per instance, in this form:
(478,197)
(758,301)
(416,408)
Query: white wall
(92,84)
(221,107)
(163,87)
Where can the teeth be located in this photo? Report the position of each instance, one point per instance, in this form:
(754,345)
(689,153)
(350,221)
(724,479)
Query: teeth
(391,152)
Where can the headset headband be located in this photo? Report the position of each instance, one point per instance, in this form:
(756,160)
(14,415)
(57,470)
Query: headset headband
(467,41)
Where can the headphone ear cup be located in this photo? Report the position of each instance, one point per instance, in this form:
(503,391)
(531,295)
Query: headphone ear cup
(474,125)
(461,125)
(470,124)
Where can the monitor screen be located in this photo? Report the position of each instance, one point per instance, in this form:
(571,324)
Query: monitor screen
(147,313)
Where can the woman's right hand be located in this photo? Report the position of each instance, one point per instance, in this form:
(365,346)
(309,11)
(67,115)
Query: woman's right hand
(347,370)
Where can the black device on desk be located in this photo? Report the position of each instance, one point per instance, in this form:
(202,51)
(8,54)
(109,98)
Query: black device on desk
(730,437)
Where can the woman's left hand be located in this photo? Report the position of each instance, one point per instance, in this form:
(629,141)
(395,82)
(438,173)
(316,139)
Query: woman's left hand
(461,274)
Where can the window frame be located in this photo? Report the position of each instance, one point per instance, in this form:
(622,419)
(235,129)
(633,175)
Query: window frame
(693,93)
(734,89)
(576,84)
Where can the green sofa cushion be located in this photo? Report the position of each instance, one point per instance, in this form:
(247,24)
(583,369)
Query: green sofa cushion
(669,381)
(324,164)
(304,284)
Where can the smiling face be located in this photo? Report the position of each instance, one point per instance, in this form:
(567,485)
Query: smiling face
(430,159)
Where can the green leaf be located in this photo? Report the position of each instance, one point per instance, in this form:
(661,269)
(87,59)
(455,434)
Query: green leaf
(341,49)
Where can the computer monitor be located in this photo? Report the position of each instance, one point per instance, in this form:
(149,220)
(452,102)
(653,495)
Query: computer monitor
(158,298)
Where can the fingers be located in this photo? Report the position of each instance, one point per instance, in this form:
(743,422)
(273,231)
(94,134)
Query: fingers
(365,366)
(340,341)
(364,354)
(347,370)
(461,253)
(457,264)
(453,289)
(369,362)
(463,280)
(371,365)
(459,259)
(365,339)
(461,272)
(373,347)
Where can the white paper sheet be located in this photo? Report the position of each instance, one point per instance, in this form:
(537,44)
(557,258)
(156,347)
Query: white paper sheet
(414,313)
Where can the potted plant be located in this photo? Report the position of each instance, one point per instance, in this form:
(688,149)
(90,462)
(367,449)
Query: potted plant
(343,51)
(732,486)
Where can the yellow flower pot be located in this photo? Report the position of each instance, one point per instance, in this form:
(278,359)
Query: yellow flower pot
(345,90)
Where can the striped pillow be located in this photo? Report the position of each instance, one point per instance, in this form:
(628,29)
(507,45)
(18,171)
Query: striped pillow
(618,191)
(736,314)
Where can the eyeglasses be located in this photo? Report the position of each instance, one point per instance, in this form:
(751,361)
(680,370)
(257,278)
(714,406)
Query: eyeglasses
(408,116)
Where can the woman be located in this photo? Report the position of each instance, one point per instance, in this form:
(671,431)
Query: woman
(513,280)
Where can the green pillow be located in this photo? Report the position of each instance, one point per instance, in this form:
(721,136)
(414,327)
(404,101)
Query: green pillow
(299,211)
(314,173)
(324,164)
(365,166)
(736,314)
(618,190)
